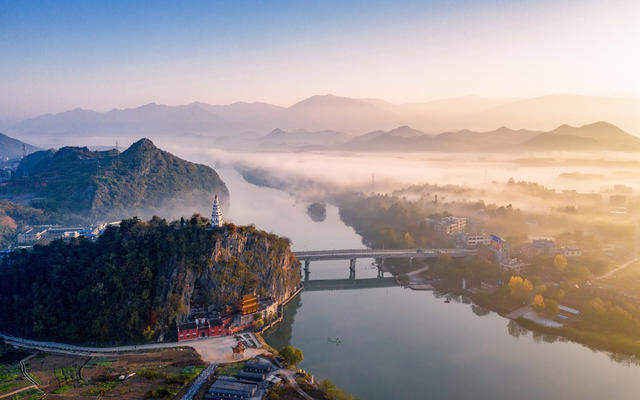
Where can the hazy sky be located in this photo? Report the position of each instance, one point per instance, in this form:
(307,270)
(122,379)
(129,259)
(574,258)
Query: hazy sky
(57,55)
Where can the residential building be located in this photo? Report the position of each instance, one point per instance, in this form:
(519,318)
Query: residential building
(473,240)
(546,246)
(514,265)
(31,235)
(571,252)
(623,189)
(451,225)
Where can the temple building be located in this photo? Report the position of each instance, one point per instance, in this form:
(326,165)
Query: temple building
(249,304)
(216,214)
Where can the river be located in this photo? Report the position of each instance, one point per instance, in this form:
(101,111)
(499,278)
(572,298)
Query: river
(403,344)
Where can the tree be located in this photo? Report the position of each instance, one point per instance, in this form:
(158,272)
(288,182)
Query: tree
(411,243)
(551,307)
(257,324)
(291,355)
(560,262)
(538,303)
(554,292)
(519,288)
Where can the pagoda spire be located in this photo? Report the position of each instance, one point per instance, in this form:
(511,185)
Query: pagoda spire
(216,214)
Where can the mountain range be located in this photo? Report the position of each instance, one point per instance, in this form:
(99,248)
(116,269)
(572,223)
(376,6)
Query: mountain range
(234,124)
(599,136)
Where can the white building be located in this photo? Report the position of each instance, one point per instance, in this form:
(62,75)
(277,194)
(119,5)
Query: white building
(474,240)
(514,266)
(451,225)
(571,252)
(31,236)
(216,213)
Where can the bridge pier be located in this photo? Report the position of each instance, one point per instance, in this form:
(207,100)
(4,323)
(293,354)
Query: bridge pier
(380,268)
(352,268)
(411,261)
(307,270)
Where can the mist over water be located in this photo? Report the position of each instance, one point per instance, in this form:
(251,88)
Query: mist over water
(398,343)
(315,175)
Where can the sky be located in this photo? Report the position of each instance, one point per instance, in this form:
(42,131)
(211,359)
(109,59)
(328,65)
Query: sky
(59,55)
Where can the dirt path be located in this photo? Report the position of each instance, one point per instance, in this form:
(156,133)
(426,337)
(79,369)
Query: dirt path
(2,396)
(289,375)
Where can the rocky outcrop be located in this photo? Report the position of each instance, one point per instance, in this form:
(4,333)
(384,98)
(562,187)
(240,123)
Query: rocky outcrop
(137,281)
(241,260)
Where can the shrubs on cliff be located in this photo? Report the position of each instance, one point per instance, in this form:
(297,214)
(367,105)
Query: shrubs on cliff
(136,281)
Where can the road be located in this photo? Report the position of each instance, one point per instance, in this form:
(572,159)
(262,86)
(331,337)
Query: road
(317,255)
(623,266)
(200,380)
(89,351)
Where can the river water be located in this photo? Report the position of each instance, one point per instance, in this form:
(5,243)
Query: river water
(403,344)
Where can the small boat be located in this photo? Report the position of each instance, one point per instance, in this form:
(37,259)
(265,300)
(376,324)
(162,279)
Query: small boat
(334,340)
(447,300)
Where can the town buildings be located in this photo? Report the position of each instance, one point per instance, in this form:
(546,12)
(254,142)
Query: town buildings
(450,225)
(469,240)
(48,233)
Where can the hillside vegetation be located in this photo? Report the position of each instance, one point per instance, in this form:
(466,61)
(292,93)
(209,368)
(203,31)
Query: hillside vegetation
(75,183)
(12,148)
(136,281)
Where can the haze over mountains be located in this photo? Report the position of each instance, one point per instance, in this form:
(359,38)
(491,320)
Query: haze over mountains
(599,136)
(11,148)
(227,125)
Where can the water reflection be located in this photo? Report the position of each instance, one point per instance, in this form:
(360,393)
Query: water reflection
(402,344)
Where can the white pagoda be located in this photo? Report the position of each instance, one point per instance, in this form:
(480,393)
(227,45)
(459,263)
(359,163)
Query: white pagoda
(216,214)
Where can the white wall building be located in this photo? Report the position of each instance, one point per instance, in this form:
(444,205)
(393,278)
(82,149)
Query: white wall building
(571,252)
(451,225)
(474,240)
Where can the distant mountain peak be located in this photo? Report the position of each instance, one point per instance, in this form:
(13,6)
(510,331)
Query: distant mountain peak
(405,131)
(142,144)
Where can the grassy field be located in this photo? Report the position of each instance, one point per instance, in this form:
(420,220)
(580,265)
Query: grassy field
(230,369)
(159,374)
(31,394)
(10,376)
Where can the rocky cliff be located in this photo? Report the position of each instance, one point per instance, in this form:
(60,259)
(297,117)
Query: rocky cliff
(136,281)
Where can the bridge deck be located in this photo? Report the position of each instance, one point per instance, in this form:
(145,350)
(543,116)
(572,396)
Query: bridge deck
(315,285)
(317,255)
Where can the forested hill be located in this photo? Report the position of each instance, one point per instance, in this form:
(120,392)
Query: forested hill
(13,148)
(136,280)
(77,183)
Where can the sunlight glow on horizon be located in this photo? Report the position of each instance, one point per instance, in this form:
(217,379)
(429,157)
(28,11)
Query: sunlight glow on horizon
(103,57)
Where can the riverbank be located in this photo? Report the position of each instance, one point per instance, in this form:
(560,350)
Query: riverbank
(617,344)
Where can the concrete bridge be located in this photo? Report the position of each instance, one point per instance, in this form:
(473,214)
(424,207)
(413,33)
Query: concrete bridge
(317,285)
(380,255)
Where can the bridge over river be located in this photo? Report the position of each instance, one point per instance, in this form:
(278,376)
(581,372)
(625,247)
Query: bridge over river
(379,254)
